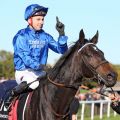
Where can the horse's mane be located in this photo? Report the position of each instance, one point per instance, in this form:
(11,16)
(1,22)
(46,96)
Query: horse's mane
(54,71)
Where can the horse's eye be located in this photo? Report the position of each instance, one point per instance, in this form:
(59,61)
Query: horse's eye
(97,50)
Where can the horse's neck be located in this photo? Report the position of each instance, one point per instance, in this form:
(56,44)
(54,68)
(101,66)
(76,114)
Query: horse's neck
(61,97)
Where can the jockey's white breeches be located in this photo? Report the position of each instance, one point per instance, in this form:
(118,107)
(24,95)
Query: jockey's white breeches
(29,76)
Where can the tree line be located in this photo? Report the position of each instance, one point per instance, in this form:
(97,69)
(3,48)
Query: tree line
(7,65)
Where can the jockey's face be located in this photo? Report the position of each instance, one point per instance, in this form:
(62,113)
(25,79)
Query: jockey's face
(36,22)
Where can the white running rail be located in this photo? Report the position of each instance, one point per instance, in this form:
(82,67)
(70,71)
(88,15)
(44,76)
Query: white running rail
(92,103)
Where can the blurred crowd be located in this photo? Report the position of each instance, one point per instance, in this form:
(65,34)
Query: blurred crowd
(92,95)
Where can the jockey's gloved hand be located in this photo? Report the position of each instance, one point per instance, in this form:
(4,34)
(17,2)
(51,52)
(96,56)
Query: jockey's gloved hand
(60,27)
(116,106)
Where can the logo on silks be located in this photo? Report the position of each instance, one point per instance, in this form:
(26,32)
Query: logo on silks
(3,112)
(37,43)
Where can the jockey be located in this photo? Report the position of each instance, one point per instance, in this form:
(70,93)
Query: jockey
(31,49)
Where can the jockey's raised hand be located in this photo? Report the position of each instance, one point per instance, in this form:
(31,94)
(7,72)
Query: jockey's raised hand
(60,27)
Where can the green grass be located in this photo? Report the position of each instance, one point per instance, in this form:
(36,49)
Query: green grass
(117,117)
(83,91)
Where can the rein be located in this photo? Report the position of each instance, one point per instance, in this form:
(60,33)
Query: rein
(93,69)
(62,85)
(59,85)
(84,87)
(71,86)
(99,92)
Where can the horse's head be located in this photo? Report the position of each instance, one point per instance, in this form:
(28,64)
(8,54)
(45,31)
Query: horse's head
(94,64)
(82,60)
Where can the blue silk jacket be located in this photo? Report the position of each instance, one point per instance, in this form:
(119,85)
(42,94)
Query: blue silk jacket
(31,48)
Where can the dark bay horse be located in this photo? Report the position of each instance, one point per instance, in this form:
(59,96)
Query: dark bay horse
(51,100)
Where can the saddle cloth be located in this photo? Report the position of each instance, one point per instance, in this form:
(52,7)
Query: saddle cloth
(17,108)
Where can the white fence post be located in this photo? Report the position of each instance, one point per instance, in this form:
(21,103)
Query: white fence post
(108,109)
(102,103)
(82,111)
(115,113)
(101,110)
(92,111)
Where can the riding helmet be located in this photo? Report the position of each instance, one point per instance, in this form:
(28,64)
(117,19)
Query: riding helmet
(35,10)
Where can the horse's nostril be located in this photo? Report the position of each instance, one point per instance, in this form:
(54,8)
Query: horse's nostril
(111,76)
(111,79)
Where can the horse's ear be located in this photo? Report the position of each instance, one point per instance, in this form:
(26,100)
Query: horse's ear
(95,38)
(81,36)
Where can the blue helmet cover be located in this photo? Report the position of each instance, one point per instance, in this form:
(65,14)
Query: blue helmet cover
(32,9)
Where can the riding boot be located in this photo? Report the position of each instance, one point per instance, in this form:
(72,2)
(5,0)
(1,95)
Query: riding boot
(21,88)
(15,92)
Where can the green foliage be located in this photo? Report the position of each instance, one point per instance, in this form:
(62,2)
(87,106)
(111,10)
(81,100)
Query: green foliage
(6,64)
(112,117)
(90,83)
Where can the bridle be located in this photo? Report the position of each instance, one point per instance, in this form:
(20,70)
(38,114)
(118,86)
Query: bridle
(90,67)
(93,69)
(96,75)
